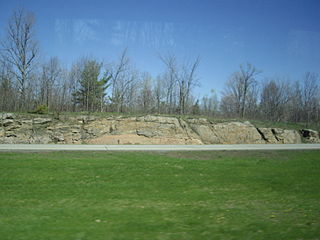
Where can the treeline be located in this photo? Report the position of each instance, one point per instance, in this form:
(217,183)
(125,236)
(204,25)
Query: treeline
(89,85)
(274,99)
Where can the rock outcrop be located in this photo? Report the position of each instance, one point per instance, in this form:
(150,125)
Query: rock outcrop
(278,135)
(141,130)
(310,136)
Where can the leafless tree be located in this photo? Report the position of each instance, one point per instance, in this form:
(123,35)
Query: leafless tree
(275,95)
(74,78)
(170,78)
(240,88)
(122,78)
(187,81)
(159,94)
(20,48)
(51,72)
(209,104)
(62,93)
(146,97)
(229,106)
(7,91)
(182,76)
(310,97)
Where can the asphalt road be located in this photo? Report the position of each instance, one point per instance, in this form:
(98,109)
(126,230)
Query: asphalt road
(64,147)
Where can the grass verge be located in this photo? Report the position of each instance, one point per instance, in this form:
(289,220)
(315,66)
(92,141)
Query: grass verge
(174,195)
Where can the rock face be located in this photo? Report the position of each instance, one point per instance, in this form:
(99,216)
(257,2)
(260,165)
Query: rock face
(278,135)
(310,136)
(141,130)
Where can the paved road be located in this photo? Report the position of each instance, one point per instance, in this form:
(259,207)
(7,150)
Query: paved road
(64,147)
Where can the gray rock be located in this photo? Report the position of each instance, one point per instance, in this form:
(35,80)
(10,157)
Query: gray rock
(40,139)
(42,120)
(86,119)
(310,136)
(7,116)
(146,133)
(58,137)
(7,122)
(197,120)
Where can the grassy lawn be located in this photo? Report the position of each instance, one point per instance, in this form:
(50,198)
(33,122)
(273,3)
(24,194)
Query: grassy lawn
(174,195)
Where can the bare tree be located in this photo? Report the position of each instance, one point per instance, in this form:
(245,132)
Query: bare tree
(246,76)
(62,93)
(74,78)
(146,98)
(229,106)
(51,72)
(209,105)
(159,94)
(240,88)
(186,82)
(20,48)
(122,78)
(310,91)
(275,95)
(181,76)
(7,92)
(170,78)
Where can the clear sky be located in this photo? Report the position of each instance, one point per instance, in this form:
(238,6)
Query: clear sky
(280,37)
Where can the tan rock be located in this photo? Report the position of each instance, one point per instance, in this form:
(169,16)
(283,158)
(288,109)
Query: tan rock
(237,133)
(286,136)
(205,133)
(140,130)
(135,139)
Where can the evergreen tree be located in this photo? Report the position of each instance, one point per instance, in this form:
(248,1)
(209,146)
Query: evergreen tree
(91,93)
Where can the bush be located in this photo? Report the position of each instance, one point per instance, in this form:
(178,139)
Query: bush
(41,109)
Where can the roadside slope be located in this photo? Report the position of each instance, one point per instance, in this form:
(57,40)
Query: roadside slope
(20,129)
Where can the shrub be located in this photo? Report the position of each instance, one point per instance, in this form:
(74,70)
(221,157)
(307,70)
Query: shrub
(41,109)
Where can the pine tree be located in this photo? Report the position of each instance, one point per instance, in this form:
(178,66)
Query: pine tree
(91,93)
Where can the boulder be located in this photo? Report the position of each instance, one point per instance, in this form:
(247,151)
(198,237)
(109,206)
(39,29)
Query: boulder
(310,136)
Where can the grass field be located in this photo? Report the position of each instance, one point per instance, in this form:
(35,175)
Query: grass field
(174,195)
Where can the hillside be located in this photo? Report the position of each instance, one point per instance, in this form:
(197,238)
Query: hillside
(19,128)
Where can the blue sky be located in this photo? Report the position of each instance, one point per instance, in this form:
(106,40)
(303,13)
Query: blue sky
(280,37)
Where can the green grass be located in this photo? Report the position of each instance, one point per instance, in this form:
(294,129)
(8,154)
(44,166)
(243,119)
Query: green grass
(174,195)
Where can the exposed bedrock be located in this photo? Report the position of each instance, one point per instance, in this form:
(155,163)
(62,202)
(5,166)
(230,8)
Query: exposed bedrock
(148,129)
